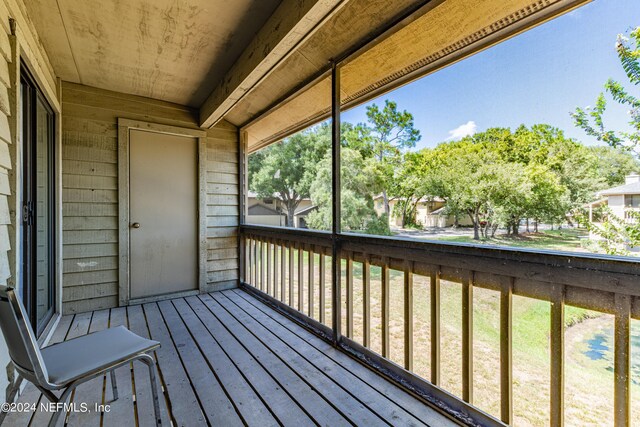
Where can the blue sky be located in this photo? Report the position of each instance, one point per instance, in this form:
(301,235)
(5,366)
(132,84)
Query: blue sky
(536,77)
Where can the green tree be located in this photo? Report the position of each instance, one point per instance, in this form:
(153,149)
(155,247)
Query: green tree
(358,189)
(613,164)
(616,233)
(591,120)
(286,169)
(382,141)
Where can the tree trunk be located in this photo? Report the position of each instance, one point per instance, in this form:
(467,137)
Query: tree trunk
(516,228)
(535,226)
(291,205)
(476,225)
(385,198)
(290,221)
(527,225)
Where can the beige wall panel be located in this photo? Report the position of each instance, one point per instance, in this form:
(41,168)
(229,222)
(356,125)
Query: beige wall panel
(4,183)
(90,250)
(4,74)
(222,243)
(71,209)
(89,304)
(90,277)
(5,217)
(5,130)
(5,158)
(4,238)
(5,46)
(4,18)
(79,293)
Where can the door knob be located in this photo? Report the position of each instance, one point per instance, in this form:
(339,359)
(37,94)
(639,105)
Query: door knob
(135,225)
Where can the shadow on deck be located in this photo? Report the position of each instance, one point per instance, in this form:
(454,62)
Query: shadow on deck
(227,359)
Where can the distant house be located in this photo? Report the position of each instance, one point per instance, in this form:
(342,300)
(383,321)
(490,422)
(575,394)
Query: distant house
(619,199)
(430,212)
(272,211)
(300,217)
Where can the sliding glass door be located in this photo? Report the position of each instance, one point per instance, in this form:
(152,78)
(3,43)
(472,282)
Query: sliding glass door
(38,214)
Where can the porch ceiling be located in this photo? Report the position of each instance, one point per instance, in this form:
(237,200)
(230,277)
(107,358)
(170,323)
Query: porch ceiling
(173,50)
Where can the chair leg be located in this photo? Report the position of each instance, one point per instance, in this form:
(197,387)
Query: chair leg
(114,384)
(151,364)
(64,397)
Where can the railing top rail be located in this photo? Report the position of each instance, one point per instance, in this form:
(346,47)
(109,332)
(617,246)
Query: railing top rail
(539,256)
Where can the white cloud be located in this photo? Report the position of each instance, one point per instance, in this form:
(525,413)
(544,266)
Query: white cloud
(461,131)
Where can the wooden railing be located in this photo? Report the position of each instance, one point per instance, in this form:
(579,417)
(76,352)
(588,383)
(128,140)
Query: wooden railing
(292,267)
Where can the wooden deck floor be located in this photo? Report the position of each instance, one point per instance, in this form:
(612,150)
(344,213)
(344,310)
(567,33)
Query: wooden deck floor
(229,360)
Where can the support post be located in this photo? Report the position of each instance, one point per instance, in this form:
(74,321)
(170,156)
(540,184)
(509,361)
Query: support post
(336,308)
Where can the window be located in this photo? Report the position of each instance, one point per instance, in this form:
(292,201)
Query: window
(632,200)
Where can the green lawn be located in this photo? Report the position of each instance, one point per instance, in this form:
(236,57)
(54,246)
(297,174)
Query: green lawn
(566,239)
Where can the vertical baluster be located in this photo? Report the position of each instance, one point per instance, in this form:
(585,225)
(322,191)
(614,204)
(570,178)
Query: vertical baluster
(291,275)
(321,291)
(300,279)
(408,316)
(622,363)
(275,269)
(366,301)
(385,308)
(435,327)
(245,254)
(506,345)
(467,339)
(249,278)
(255,263)
(312,256)
(262,244)
(283,272)
(349,295)
(557,357)
(268,247)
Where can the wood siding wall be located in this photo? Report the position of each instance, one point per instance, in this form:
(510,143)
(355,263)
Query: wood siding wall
(6,164)
(19,41)
(90,192)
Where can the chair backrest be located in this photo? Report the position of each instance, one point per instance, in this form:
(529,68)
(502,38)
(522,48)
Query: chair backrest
(23,347)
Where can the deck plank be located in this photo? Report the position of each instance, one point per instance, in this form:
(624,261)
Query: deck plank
(394,393)
(249,404)
(218,409)
(332,390)
(144,399)
(312,401)
(121,412)
(261,324)
(184,407)
(228,359)
(91,391)
(284,407)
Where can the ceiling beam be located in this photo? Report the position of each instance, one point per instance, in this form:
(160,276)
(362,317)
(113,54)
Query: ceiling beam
(291,23)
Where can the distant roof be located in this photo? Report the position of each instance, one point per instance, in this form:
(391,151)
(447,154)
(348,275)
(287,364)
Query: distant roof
(633,188)
(306,211)
(262,210)
(254,195)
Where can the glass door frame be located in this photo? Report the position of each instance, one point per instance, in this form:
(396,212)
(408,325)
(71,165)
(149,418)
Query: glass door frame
(29,104)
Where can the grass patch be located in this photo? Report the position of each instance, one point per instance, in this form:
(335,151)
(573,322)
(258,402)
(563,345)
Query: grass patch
(559,240)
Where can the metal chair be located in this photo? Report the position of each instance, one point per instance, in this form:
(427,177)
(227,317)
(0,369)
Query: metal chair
(68,364)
